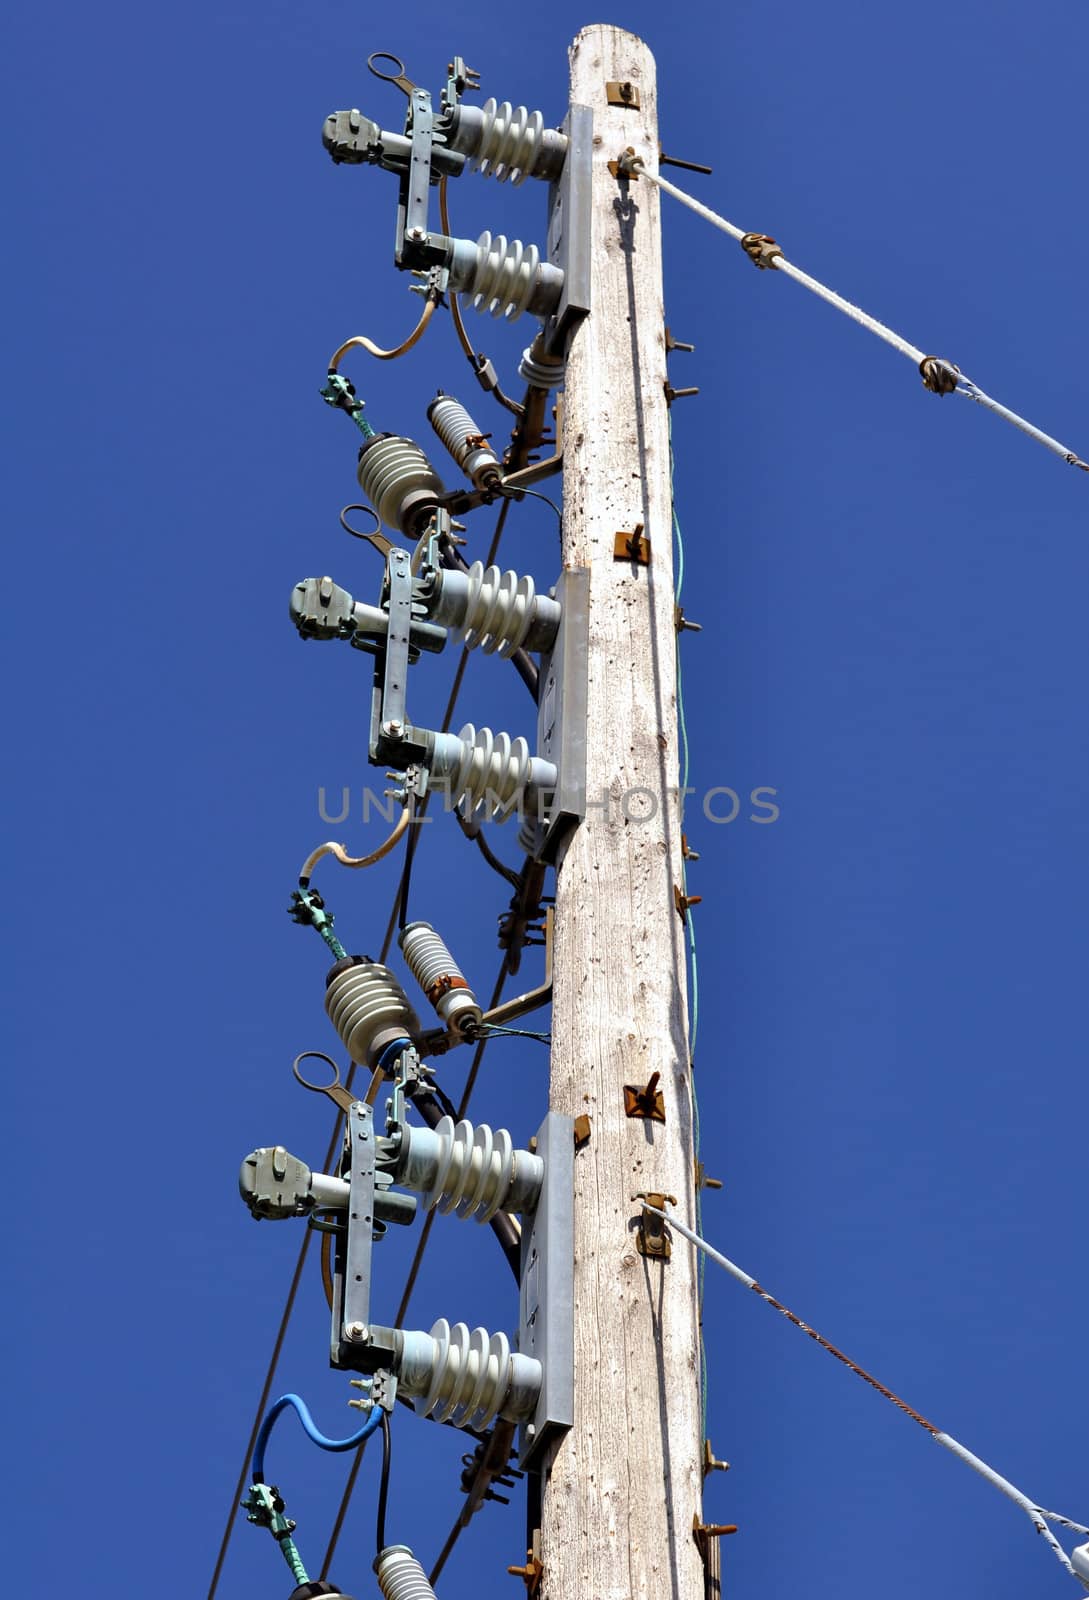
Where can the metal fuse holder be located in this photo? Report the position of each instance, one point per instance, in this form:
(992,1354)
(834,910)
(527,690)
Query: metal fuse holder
(276,1184)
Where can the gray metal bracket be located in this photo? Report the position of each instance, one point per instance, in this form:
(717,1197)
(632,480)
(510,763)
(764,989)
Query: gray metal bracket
(569,239)
(561,717)
(546,1327)
(352,1274)
(417,180)
(393,739)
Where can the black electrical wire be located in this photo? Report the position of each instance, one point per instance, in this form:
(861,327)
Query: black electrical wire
(406,879)
(534,494)
(383,1487)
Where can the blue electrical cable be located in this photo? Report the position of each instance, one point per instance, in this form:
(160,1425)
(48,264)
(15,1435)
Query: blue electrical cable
(311,1431)
(391,1052)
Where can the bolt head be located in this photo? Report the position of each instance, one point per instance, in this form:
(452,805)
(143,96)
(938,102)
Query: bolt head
(358,1332)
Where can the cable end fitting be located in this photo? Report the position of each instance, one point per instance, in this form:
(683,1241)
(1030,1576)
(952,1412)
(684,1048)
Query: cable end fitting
(761,250)
(1076,461)
(626,165)
(938,375)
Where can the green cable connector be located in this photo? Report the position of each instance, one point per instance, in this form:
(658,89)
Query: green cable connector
(264,1506)
(308,908)
(339,392)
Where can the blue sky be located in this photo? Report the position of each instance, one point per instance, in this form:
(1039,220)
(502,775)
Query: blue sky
(892,592)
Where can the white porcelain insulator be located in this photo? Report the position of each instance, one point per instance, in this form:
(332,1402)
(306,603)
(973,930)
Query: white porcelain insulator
(464,440)
(471,1171)
(400,1576)
(369,1009)
(467,1378)
(492,774)
(505,277)
(439,975)
(510,139)
(397,478)
(500,610)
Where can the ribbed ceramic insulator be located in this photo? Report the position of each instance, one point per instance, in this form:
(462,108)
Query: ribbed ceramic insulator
(463,438)
(467,1379)
(369,1009)
(397,479)
(530,835)
(500,610)
(400,1576)
(541,374)
(439,976)
(472,1171)
(505,276)
(492,774)
(510,140)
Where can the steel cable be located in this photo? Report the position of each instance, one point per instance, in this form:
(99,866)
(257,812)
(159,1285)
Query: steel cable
(938,375)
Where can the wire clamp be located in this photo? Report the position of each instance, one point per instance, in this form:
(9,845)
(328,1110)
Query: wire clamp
(939,376)
(626,165)
(761,250)
(652,1238)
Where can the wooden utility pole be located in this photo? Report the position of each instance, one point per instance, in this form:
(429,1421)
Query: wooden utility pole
(623,1487)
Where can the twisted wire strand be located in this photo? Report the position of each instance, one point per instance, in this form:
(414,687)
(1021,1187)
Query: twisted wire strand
(1036,1515)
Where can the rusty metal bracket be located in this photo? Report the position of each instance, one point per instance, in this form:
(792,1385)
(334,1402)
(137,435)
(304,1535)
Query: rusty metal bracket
(582,1130)
(672,394)
(707,1536)
(711,1463)
(682,901)
(622,94)
(682,624)
(676,344)
(704,1531)
(653,1239)
(633,546)
(533,1571)
(646,1102)
(703,1181)
(689,166)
